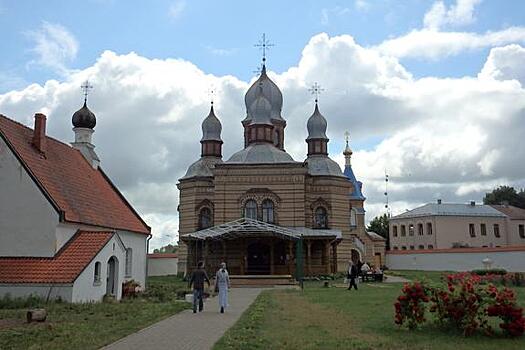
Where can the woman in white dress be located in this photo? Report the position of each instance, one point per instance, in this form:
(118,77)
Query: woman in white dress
(222,284)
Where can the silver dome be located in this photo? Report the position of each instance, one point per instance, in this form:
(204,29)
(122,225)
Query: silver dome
(211,127)
(202,168)
(270,91)
(316,125)
(261,153)
(260,109)
(321,165)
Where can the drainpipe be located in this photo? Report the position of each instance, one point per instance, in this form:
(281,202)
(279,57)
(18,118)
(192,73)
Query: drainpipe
(146,272)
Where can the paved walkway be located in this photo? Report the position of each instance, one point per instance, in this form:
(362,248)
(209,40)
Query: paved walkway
(186,330)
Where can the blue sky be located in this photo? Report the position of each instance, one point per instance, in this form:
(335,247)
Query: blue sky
(218,36)
(433,91)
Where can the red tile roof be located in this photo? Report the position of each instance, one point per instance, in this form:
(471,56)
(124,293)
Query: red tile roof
(64,267)
(83,194)
(514,213)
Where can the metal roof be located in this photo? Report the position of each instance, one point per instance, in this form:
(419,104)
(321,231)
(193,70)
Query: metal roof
(261,153)
(450,209)
(322,165)
(247,227)
(202,167)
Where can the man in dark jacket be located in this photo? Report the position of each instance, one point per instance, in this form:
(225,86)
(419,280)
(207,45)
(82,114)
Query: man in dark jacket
(352,275)
(197,280)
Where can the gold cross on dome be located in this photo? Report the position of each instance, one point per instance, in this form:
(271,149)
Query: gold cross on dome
(347,136)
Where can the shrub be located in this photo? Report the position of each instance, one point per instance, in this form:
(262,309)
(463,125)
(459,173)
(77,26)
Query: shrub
(489,272)
(410,306)
(8,302)
(504,306)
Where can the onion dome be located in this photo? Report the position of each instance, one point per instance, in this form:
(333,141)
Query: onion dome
(202,168)
(84,118)
(316,125)
(260,109)
(211,127)
(269,90)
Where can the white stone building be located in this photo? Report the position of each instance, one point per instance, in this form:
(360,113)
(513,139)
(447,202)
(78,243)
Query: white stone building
(65,229)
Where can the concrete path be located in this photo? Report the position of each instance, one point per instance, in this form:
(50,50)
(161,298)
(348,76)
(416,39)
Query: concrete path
(187,330)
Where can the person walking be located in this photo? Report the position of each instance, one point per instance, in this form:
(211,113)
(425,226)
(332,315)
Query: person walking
(352,275)
(197,280)
(222,285)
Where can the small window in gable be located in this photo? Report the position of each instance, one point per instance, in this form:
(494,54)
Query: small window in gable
(129,261)
(96,277)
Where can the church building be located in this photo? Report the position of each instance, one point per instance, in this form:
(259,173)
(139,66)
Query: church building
(264,213)
(65,229)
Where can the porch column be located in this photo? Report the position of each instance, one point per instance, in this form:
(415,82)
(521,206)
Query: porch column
(290,260)
(205,254)
(223,251)
(309,256)
(334,258)
(326,259)
(272,267)
(243,256)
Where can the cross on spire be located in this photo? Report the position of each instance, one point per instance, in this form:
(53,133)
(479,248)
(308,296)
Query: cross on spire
(347,137)
(264,45)
(211,93)
(86,86)
(316,90)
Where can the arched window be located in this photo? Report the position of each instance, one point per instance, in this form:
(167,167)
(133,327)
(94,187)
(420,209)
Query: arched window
(353,217)
(205,220)
(276,138)
(250,209)
(267,211)
(321,218)
(129,261)
(96,277)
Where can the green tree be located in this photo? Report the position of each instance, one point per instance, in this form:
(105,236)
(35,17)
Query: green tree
(170,248)
(505,194)
(379,225)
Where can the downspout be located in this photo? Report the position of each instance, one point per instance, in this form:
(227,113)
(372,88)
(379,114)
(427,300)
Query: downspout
(147,262)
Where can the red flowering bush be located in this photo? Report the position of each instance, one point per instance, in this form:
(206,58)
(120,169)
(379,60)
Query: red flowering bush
(465,303)
(504,306)
(410,306)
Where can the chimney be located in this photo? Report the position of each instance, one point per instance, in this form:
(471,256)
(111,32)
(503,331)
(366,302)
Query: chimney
(473,203)
(439,201)
(39,134)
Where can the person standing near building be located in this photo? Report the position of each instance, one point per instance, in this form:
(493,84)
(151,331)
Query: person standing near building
(352,275)
(197,280)
(222,284)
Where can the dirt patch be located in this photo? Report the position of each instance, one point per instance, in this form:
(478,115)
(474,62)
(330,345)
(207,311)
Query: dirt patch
(11,323)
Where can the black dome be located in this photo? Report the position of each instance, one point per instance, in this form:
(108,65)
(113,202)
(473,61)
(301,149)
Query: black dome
(84,118)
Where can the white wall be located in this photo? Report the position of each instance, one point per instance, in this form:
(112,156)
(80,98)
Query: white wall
(162,266)
(27,219)
(84,288)
(137,242)
(63,292)
(509,260)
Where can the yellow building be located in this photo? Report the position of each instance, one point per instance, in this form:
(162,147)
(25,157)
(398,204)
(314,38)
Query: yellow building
(262,212)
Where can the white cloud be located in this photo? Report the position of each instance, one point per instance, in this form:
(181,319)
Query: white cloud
(448,138)
(505,63)
(177,8)
(432,44)
(55,47)
(462,13)
(328,13)
(220,51)
(362,5)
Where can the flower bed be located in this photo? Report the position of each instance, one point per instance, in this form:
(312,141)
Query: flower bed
(465,303)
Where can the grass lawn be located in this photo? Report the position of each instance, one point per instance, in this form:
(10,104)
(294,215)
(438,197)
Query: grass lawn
(90,326)
(334,318)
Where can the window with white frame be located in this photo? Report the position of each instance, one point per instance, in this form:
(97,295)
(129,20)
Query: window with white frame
(353,217)
(420,229)
(483,229)
(250,209)
(472,230)
(268,211)
(129,261)
(411,229)
(429,228)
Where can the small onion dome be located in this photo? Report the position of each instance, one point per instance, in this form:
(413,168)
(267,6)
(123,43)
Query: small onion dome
(260,110)
(269,90)
(84,118)
(316,125)
(348,150)
(211,127)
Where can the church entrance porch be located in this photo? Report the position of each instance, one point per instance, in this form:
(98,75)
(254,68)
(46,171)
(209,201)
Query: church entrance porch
(253,248)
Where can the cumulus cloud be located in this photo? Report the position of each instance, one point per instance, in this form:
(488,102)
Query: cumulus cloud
(505,63)
(462,13)
(448,138)
(177,8)
(54,46)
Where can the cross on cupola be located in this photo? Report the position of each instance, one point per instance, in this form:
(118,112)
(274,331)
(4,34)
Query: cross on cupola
(211,94)
(316,90)
(86,86)
(264,45)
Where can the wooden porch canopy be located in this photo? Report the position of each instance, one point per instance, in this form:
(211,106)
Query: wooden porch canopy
(246,227)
